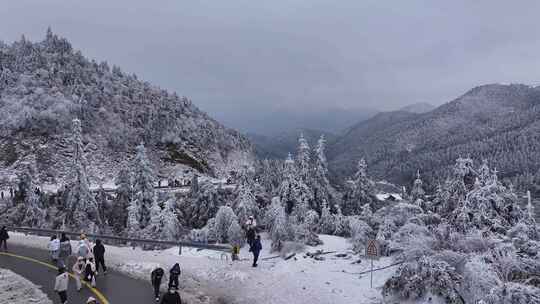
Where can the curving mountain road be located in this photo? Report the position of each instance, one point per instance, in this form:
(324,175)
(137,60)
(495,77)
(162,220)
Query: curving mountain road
(113,288)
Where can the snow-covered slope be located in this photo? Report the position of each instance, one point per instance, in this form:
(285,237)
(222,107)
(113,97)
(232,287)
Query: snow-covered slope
(44,85)
(15,289)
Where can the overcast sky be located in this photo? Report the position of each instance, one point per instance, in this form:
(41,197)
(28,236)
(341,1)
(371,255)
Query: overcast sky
(298,53)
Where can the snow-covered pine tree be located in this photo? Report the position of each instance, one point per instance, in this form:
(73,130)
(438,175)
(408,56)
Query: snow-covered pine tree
(224,217)
(200,207)
(327,223)
(281,230)
(245,204)
(143,186)
(322,190)
(417,191)
(304,159)
(293,192)
(82,210)
(27,211)
(361,191)
(123,199)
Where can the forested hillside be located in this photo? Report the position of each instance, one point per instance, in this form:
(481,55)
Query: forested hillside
(497,123)
(45,85)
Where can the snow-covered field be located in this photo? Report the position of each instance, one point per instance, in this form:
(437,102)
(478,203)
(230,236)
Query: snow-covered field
(208,277)
(15,289)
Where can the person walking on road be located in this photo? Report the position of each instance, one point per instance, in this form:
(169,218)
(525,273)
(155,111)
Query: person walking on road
(251,232)
(4,236)
(99,255)
(92,300)
(61,284)
(54,249)
(78,271)
(155,278)
(174,273)
(86,242)
(65,250)
(83,251)
(256,248)
(172,297)
(90,271)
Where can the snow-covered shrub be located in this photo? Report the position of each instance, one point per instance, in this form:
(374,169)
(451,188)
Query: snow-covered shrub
(411,241)
(327,222)
(272,212)
(415,280)
(512,293)
(236,235)
(361,232)
(280,229)
(475,242)
(224,218)
(478,279)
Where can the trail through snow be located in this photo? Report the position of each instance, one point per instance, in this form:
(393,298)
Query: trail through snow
(14,289)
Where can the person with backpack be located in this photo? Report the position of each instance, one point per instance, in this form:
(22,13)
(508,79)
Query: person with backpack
(83,251)
(90,271)
(99,255)
(174,273)
(78,272)
(155,278)
(4,236)
(256,248)
(61,284)
(251,232)
(172,297)
(65,250)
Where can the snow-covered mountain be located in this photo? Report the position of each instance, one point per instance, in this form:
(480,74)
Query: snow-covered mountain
(44,85)
(499,123)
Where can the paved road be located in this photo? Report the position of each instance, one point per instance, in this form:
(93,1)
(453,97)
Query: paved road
(115,287)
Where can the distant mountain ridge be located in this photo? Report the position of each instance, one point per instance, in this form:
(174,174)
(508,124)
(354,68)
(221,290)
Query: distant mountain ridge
(419,107)
(44,85)
(277,147)
(499,123)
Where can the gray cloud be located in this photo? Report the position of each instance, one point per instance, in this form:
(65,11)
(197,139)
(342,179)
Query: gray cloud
(239,54)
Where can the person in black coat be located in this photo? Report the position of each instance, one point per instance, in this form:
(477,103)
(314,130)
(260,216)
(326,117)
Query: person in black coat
(174,274)
(172,297)
(4,236)
(155,278)
(256,248)
(99,255)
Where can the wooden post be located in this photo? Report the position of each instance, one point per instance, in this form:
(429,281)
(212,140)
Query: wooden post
(371,280)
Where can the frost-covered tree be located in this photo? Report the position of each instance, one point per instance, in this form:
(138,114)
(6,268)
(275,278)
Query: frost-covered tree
(199,208)
(224,218)
(361,232)
(163,223)
(82,209)
(361,191)
(245,204)
(294,193)
(123,199)
(417,191)
(28,210)
(304,159)
(322,190)
(327,222)
(143,187)
(235,235)
(280,229)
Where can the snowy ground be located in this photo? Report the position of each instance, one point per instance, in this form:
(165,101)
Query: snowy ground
(15,289)
(299,280)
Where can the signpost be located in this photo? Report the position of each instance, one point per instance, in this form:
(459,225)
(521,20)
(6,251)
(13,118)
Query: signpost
(372,253)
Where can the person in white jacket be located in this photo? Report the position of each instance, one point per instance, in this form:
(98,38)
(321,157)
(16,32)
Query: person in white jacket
(78,271)
(61,284)
(54,248)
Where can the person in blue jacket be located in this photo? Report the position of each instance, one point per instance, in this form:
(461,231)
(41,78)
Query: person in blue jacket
(256,248)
